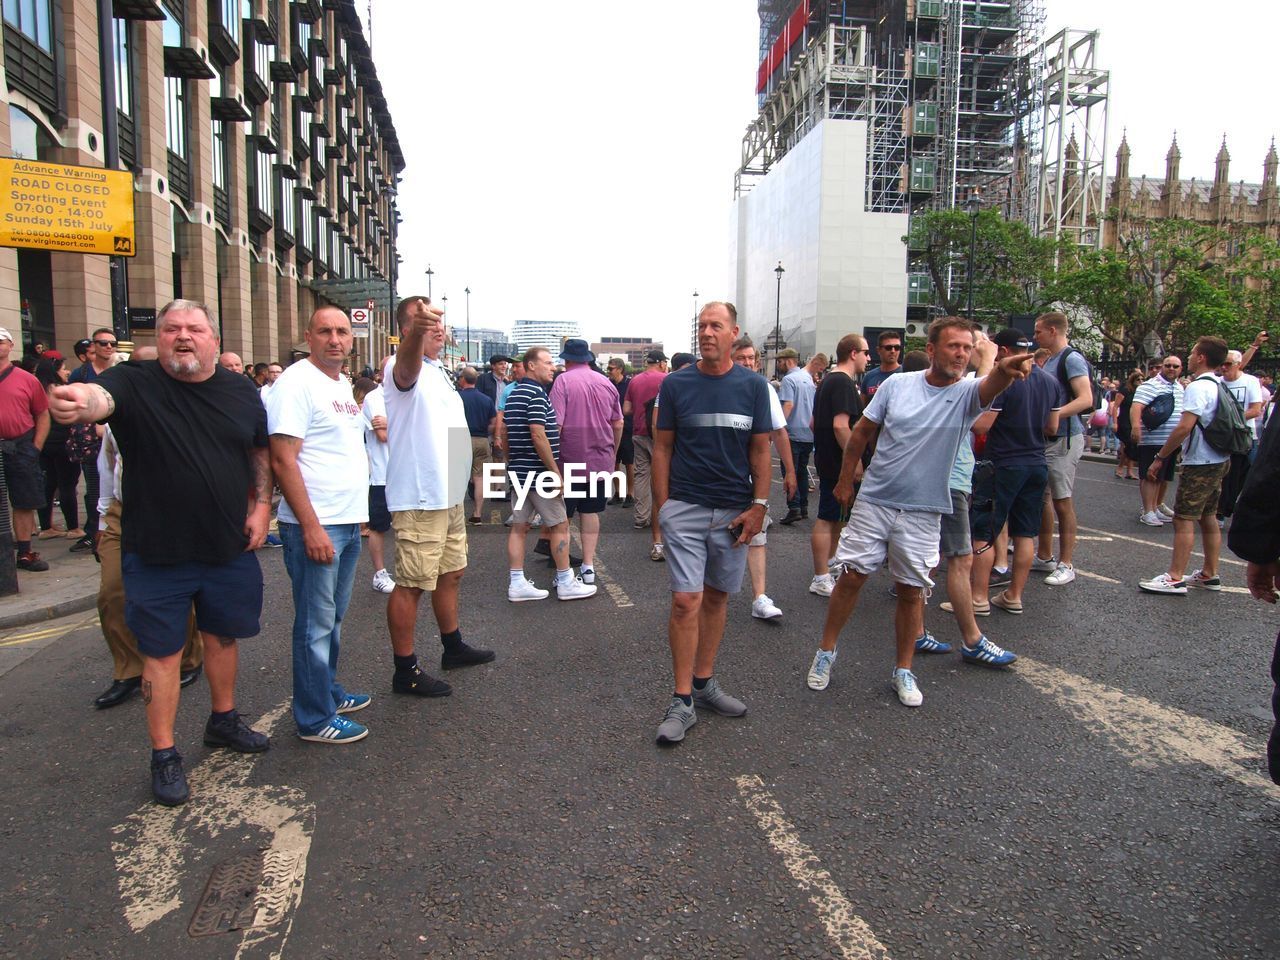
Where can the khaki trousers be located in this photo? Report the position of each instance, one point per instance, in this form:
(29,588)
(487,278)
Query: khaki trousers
(641,472)
(126,661)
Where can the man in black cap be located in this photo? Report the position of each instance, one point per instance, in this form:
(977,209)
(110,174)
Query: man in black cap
(494,379)
(681,360)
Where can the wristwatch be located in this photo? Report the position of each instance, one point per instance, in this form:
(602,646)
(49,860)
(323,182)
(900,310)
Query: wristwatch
(762,503)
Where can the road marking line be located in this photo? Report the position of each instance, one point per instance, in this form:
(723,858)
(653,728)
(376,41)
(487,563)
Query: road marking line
(849,932)
(1146,732)
(47,633)
(1153,543)
(1099,539)
(1096,576)
(150,846)
(611,586)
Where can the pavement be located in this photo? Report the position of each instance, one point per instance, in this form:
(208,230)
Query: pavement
(70,585)
(1104,798)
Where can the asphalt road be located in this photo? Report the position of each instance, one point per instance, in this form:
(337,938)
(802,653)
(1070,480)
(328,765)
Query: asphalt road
(1106,797)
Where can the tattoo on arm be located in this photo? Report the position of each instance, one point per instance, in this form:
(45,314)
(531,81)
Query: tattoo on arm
(262,475)
(146,691)
(226,641)
(100,403)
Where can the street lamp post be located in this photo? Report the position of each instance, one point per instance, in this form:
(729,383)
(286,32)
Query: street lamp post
(974,205)
(694,348)
(777,314)
(467,348)
(430,273)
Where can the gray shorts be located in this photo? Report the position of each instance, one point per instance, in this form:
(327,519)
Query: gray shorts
(699,549)
(956,540)
(550,508)
(1063,457)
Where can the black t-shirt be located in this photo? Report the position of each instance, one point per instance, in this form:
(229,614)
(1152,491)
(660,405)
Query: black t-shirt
(836,394)
(187,452)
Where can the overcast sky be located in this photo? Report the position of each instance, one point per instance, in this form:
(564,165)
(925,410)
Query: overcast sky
(576,160)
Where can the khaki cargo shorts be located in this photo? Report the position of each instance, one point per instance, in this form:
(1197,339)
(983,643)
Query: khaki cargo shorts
(428,543)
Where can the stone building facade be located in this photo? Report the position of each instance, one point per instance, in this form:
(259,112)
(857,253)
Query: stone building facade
(263,155)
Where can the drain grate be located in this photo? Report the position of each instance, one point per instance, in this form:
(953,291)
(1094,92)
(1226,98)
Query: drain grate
(245,892)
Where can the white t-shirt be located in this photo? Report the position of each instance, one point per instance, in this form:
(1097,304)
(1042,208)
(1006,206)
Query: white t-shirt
(428,443)
(375,406)
(264,391)
(306,403)
(1247,390)
(1201,398)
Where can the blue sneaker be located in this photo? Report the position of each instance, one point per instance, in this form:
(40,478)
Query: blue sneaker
(273,540)
(928,643)
(987,654)
(337,730)
(353,702)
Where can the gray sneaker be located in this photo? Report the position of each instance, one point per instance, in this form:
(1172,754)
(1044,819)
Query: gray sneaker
(679,718)
(711,697)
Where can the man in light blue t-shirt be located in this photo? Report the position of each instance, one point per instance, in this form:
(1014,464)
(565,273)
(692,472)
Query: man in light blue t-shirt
(1063,454)
(797,393)
(922,419)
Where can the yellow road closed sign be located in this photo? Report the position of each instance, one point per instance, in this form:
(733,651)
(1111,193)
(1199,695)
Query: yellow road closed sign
(54,206)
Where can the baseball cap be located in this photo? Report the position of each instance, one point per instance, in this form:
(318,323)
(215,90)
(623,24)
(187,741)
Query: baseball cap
(82,346)
(6,335)
(1013,339)
(655,356)
(682,360)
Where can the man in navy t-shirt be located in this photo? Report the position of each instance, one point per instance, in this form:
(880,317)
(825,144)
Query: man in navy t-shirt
(711,490)
(1017,426)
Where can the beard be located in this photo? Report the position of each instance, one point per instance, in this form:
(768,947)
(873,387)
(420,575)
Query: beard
(182,364)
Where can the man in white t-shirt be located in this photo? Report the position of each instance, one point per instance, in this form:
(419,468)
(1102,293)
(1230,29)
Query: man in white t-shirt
(428,469)
(922,418)
(1200,482)
(374,410)
(317,433)
(1246,390)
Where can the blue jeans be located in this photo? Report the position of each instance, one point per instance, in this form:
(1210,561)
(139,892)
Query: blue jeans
(800,451)
(321,592)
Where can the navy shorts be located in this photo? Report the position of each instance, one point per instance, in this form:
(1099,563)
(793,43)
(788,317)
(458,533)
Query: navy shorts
(1147,456)
(23,474)
(158,599)
(574,505)
(1018,499)
(627,450)
(829,507)
(379,515)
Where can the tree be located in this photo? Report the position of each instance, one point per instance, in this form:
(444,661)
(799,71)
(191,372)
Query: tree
(1013,269)
(1175,280)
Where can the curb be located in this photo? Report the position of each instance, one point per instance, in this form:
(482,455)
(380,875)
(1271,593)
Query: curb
(52,612)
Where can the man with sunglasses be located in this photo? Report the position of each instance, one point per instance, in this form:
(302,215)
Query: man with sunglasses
(889,346)
(102,347)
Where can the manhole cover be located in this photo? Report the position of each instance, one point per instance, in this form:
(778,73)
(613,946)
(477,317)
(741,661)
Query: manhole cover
(245,892)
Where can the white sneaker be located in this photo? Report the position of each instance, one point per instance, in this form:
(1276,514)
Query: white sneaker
(822,585)
(575,589)
(588,575)
(1163,584)
(765,609)
(382,582)
(820,670)
(1043,566)
(1164,511)
(1152,519)
(1062,575)
(904,685)
(521,590)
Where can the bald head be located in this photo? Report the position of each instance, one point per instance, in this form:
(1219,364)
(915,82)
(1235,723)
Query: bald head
(145,353)
(232,362)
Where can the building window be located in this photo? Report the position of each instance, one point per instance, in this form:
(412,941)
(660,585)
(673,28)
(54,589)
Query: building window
(285,194)
(232,11)
(265,168)
(175,115)
(305,219)
(32,18)
(124,67)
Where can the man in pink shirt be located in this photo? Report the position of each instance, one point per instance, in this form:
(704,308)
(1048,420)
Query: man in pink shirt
(638,406)
(590,418)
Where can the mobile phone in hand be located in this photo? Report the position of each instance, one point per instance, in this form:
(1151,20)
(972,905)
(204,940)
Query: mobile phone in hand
(736,531)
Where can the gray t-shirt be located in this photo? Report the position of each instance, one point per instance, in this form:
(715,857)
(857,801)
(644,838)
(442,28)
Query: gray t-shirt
(1076,367)
(799,389)
(922,427)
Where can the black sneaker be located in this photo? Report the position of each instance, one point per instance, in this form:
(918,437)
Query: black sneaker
(542,548)
(1000,579)
(31,561)
(188,677)
(231,731)
(420,684)
(169,781)
(83,544)
(464,656)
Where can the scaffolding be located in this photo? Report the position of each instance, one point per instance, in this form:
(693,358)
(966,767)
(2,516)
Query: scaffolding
(1072,170)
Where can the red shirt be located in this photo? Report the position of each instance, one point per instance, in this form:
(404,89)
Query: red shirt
(22,399)
(644,387)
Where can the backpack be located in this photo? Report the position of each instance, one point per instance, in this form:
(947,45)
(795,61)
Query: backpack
(1067,394)
(1227,432)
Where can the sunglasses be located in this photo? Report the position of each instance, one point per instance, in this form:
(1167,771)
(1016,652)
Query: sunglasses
(104,343)
(890,346)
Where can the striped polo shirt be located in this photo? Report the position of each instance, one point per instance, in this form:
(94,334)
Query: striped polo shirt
(528,403)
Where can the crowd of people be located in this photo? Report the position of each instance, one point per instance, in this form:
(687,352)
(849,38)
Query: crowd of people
(966,449)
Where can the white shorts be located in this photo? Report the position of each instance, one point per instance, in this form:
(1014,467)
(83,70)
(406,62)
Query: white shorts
(909,538)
